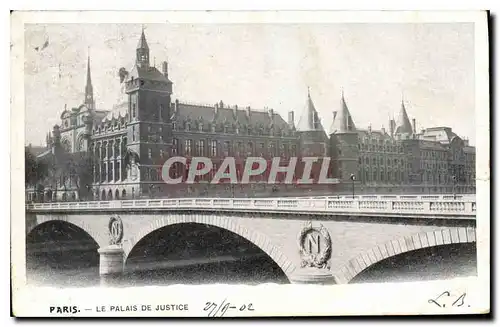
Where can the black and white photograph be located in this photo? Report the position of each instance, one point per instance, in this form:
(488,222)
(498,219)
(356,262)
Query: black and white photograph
(292,150)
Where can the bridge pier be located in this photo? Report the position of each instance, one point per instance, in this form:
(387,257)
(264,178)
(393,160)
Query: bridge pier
(310,275)
(111,262)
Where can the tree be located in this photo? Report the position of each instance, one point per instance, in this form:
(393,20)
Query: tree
(35,170)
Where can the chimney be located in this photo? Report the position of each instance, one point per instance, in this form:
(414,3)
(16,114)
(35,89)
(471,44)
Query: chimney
(249,111)
(57,135)
(291,118)
(414,126)
(383,130)
(392,123)
(164,69)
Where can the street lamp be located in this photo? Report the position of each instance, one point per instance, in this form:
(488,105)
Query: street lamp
(353,178)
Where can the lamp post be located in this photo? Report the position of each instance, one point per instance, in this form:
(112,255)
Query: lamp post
(353,178)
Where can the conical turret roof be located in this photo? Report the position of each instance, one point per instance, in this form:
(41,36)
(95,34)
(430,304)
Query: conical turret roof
(309,120)
(143,44)
(403,125)
(342,120)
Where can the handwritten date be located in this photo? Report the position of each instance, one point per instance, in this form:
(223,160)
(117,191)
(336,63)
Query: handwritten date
(447,299)
(219,310)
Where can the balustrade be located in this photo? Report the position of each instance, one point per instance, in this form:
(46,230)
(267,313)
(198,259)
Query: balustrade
(349,206)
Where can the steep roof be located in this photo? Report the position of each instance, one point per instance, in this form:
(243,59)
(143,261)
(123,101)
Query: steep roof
(443,135)
(148,73)
(309,119)
(403,125)
(342,119)
(143,44)
(252,118)
(375,134)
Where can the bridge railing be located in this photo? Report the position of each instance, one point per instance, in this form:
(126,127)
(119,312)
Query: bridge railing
(397,197)
(429,206)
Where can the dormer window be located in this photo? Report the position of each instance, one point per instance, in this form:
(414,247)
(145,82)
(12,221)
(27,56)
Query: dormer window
(200,127)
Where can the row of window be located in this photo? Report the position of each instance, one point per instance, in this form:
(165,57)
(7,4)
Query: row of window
(438,155)
(379,147)
(109,172)
(400,176)
(229,148)
(109,149)
(228,128)
(381,161)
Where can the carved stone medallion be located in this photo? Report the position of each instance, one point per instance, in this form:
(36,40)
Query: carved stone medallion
(115,227)
(315,246)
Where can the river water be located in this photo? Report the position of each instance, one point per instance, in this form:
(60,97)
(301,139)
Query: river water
(83,271)
(252,270)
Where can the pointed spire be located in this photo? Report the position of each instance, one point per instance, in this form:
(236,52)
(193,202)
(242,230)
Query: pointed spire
(143,44)
(142,51)
(342,122)
(309,120)
(89,90)
(403,125)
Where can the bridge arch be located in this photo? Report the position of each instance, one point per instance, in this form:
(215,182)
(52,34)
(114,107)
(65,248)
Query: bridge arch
(98,237)
(363,261)
(258,239)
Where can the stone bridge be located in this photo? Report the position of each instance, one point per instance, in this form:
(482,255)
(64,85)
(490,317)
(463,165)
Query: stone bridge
(312,240)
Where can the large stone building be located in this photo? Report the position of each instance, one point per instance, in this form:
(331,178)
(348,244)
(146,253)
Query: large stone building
(402,160)
(123,149)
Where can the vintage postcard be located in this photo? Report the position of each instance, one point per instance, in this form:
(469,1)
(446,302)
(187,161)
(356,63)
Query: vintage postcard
(230,164)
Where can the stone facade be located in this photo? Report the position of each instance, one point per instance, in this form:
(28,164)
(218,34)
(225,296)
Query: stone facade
(400,160)
(356,242)
(129,144)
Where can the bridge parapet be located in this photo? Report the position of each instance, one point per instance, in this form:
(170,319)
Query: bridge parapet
(421,207)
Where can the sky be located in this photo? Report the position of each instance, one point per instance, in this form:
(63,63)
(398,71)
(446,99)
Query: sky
(377,65)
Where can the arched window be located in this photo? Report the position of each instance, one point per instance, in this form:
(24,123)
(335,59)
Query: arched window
(117,194)
(103,195)
(124,194)
(110,195)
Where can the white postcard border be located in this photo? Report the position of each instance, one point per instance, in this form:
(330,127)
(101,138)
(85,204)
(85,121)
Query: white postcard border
(275,300)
